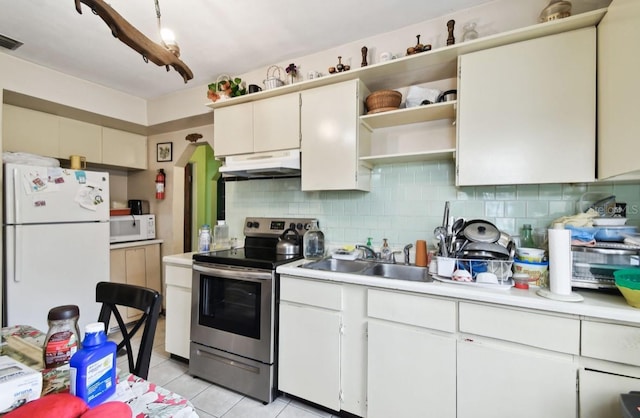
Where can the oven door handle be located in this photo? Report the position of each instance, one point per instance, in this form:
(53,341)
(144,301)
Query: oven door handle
(243,274)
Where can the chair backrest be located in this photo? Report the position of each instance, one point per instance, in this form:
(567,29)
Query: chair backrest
(149,301)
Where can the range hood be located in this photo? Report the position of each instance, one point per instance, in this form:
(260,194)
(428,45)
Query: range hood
(263,164)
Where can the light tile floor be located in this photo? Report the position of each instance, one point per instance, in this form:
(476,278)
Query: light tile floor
(211,400)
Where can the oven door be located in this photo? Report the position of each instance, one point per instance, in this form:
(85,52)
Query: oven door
(232,310)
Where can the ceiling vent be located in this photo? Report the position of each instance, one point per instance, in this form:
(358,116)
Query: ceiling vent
(9,43)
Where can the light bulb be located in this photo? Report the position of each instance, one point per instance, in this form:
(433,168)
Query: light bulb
(167,36)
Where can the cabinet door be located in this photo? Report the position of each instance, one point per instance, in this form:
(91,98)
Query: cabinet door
(329,125)
(600,393)
(178,306)
(233,130)
(135,274)
(276,123)
(618,90)
(152,267)
(124,149)
(527,112)
(504,381)
(309,354)
(26,130)
(411,372)
(80,138)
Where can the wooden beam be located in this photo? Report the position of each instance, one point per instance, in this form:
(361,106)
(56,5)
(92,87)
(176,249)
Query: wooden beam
(135,39)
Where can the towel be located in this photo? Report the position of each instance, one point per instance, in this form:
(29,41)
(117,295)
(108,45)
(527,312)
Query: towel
(580,220)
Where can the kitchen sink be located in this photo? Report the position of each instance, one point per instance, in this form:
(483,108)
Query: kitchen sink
(339,266)
(371,268)
(398,271)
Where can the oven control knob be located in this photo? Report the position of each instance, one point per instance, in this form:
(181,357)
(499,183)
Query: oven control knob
(292,225)
(256,224)
(249,224)
(299,226)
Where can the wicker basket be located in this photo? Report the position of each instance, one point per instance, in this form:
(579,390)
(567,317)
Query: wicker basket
(272,80)
(383,101)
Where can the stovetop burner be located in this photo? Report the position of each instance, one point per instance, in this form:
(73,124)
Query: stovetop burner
(260,244)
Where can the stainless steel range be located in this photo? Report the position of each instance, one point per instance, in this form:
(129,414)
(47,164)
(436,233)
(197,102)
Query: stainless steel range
(234,322)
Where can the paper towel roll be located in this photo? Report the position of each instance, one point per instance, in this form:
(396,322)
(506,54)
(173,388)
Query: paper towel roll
(560,261)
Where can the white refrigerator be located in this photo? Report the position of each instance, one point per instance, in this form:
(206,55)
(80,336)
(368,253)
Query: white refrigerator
(56,242)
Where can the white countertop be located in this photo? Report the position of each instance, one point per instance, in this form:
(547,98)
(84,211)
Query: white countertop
(595,304)
(135,243)
(184,259)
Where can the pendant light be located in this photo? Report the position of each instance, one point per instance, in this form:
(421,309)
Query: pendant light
(166,53)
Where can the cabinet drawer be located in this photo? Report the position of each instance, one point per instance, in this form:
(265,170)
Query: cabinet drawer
(177,276)
(619,343)
(537,330)
(311,292)
(421,311)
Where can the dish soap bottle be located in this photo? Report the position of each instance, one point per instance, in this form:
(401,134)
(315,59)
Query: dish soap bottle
(385,252)
(313,242)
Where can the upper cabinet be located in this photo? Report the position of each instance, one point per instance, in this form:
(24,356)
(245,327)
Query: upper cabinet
(80,138)
(618,91)
(124,149)
(330,131)
(266,125)
(26,130)
(527,112)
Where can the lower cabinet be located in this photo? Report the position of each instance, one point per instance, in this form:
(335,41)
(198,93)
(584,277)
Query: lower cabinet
(516,363)
(503,381)
(611,367)
(322,343)
(411,370)
(138,265)
(309,356)
(178,307)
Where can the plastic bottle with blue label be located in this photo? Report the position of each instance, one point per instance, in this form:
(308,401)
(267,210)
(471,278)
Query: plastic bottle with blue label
(93,368)
(204,239)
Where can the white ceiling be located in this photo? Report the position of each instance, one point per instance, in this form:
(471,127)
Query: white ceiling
(215,37)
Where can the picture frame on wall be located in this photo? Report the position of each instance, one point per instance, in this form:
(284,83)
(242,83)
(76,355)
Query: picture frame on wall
(164,152)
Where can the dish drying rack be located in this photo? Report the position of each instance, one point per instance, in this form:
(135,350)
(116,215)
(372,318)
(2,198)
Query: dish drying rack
(445,266)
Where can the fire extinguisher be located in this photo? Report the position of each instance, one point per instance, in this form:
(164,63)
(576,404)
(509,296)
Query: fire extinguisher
(160,182)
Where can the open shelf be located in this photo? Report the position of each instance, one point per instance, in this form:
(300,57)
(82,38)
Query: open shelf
(445,110)
(428,66)
(444,154)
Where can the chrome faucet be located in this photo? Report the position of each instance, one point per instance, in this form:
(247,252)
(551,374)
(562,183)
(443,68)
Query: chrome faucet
(369,253)
(406,254)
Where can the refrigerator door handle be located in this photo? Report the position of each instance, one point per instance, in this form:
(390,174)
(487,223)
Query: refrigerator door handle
(16,190)
(12,255)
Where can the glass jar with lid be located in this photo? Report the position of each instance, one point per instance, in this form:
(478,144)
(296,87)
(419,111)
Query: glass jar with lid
(63,337)
(313,242)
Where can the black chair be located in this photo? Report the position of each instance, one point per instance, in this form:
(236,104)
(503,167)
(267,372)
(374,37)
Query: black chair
(149,301)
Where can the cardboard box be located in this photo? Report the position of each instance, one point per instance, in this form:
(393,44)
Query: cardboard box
(19,384)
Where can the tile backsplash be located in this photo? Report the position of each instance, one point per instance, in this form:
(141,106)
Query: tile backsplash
(406,203)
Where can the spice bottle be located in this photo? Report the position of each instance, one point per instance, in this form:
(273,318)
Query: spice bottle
(93,368)
(526,239)
(63,337)
(313,242)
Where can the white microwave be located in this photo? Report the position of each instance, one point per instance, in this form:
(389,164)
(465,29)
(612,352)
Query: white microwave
(132,228)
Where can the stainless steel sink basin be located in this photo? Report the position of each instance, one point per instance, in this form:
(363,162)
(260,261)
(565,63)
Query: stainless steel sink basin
(369,268)
(340,266)
(398,271)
